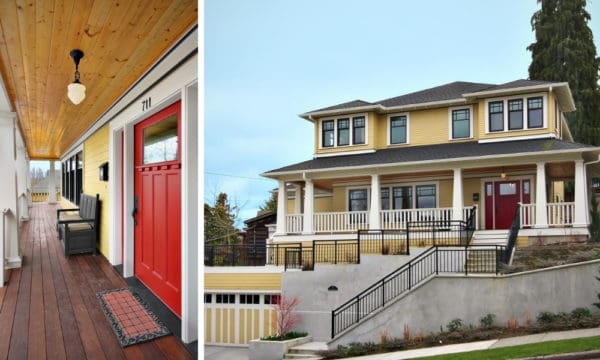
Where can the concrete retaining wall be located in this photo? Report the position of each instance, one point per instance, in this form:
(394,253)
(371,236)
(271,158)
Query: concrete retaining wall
(445,298)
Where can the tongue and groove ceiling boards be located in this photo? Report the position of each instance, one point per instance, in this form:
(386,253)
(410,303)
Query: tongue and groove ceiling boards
(121,40)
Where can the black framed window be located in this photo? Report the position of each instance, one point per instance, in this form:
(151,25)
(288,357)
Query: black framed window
(272,299)
(328,133)
(535,113)
(249,299)
(496,115)
(357,200)
(358,130)
(207,298)
(225,299)
(461,123)
(385,198)
(398,129)
(515,114)
(343,126)
(402,197)
(425,196)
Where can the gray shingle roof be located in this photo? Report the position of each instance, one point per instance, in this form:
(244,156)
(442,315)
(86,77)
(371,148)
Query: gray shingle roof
(451,91)
(451,151)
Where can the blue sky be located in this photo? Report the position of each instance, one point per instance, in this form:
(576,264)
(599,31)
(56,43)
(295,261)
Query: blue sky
(266,61)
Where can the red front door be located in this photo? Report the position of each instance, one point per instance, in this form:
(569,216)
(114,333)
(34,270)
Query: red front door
(507,194)
(158,197)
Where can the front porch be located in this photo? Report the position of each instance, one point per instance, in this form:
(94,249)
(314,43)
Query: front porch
(49,307)
(494,192)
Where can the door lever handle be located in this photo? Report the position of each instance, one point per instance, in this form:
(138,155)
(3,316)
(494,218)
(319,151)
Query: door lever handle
(135,209)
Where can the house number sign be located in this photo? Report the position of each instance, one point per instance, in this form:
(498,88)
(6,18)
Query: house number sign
(146,104)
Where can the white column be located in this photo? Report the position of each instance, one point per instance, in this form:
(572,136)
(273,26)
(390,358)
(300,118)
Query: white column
(541,212)
(581,203)
(457,195)
(309,207)
(9,224)
(298,200)
(52,184)
(281,208)
(374,219)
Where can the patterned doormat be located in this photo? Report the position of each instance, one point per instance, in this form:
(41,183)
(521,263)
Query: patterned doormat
(130,317)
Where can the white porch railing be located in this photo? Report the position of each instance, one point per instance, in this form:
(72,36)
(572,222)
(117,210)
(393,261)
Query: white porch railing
(559,214)
(293,223)
(341,221)
(331,222)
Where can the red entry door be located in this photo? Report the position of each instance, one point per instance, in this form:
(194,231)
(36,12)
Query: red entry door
(158,197)
(507,195)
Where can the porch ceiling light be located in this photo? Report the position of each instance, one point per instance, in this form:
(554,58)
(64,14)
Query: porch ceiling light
(76,90)
(503,174)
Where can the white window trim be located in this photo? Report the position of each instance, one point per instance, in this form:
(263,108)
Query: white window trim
(414,191)
(389,128)
(470,107)
(351,130)
(505,101)
(367,188)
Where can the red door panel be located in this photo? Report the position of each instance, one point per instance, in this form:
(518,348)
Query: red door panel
(158,191)
(507,195)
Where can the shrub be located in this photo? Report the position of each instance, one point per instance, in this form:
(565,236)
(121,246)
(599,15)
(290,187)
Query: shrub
(487,321)
(288,336)
(454,325)
(547,317)
(581,313)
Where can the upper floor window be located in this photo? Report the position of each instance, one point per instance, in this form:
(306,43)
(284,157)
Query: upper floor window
(398,129)
(461,123)
(328,133)
(535,115)
(358,130)
(496,115)
(515,114)
(343,131)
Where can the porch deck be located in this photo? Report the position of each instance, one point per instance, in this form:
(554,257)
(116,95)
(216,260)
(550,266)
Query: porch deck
(49,308)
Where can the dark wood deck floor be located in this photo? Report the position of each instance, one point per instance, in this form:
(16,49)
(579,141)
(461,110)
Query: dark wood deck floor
(49,308)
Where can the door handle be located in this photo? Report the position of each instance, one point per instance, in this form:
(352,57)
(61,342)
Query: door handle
(135,209)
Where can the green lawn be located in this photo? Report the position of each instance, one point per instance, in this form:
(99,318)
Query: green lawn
(538,349)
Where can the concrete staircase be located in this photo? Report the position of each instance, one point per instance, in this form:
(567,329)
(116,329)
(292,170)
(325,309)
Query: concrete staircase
(490,237)
(485,261)
(308,351)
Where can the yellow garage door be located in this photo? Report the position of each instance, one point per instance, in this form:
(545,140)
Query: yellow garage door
(237,318)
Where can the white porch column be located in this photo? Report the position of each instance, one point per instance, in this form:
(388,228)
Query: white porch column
(52,184)
(9,223)
(457,195)
(541,213)
(309,207)
(374,219)
(581,203)
(298,200)
(281,208)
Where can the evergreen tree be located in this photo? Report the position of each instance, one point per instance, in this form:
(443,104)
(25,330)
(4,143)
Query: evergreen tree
(270,204)
(219,222)
(564,51)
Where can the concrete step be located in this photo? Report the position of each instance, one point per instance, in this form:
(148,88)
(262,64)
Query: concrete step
(291,356)
(490,237)
(307,351)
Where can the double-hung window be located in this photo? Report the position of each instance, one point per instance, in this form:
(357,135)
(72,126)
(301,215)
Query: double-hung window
(385,198)
(425,196)
(358,130)
(535,113)
(461,123)
(402,197)
(358,200)
(408,197)
(398,129)
(496,115)
(328,133)
(515,114)
(343,132)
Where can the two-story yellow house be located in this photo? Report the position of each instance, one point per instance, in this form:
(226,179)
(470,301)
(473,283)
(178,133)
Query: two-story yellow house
(428,157)
(438,152)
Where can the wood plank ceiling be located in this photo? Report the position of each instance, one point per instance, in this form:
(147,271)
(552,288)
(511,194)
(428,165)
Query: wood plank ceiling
(121,39)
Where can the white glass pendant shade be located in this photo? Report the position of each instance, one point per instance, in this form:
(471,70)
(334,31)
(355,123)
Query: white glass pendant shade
(76,92)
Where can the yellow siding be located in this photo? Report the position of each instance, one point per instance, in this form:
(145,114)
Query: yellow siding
(445,193)
(428,126)
(339,199)
(471,186)
(323,204)
(95,153)
(242,281)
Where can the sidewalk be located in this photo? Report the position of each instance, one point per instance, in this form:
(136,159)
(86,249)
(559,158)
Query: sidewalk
(483,345)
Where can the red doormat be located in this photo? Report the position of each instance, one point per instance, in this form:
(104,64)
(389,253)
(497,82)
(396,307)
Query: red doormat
(130,317)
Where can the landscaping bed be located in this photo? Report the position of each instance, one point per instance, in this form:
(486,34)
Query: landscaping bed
(544,256)
(458,332)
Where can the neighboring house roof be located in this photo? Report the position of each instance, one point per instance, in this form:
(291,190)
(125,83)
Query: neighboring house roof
(439,152)
(260,216)
(454,92)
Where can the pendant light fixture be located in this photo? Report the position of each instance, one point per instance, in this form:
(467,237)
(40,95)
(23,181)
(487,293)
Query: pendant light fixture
(76,90)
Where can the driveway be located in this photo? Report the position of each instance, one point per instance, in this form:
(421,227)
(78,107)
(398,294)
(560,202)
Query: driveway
(225,353)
